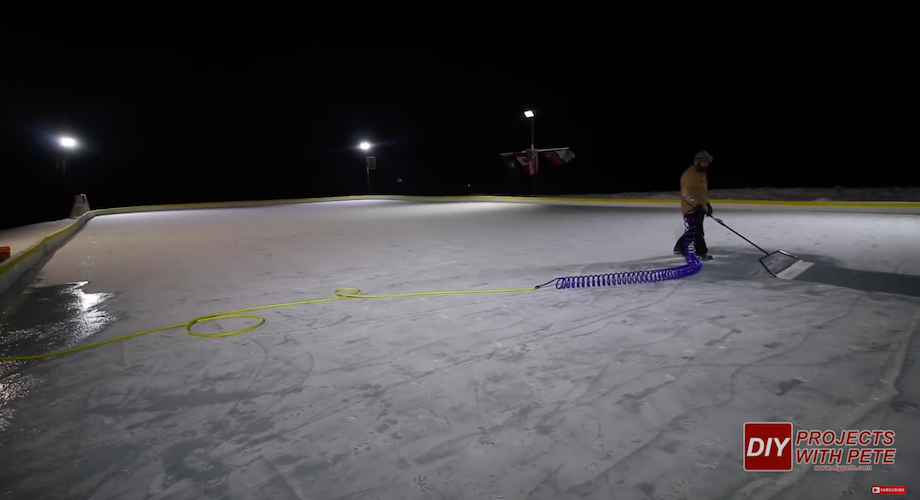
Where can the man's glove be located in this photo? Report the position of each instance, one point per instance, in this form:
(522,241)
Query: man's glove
(708,209)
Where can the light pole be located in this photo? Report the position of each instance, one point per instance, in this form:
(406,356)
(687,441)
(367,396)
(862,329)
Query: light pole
(530,115)
(67,144)
(366,146)
(556,156)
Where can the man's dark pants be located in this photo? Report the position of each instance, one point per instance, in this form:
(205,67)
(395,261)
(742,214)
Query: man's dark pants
(693,231)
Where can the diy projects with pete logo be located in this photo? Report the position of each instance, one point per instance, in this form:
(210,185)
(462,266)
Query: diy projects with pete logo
(777,447)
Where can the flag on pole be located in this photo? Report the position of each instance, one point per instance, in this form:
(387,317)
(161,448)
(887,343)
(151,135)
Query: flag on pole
(529,159)
(511,160)
(559,158)
(520,158)
(512,164)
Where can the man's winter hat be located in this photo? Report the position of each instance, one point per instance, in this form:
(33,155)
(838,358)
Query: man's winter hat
(701,156)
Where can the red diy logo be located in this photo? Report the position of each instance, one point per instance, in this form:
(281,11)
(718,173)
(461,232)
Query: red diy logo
(768,447)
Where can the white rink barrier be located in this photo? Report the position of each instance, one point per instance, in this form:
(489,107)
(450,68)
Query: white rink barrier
(23,262)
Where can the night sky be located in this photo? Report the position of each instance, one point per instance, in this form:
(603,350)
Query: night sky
(174,124)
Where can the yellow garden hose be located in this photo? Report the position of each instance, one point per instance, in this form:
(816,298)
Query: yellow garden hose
(342,293)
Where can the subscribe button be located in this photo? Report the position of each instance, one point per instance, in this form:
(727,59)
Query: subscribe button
(889,490)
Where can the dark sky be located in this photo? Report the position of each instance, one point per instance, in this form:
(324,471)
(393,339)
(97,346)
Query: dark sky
(170,124)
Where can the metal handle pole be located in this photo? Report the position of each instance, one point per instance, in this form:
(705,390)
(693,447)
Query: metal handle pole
(533,150)
(532,142)
(739,235)
(367,169)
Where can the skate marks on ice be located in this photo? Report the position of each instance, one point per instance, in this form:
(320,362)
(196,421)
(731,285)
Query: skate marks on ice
(794,372)
(894,404)
(622,392)
(190,416)
(572,407)
(297,411)
(831,393)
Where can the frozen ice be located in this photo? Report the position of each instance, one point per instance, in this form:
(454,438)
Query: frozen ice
(630,392)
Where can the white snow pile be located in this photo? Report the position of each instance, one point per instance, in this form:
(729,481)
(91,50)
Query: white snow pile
(785,194)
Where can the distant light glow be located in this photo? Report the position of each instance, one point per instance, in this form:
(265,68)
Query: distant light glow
(529,113)
(68,142)
(365,145)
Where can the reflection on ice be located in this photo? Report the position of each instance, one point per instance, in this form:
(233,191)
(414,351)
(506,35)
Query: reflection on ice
(44,319)
(14,387)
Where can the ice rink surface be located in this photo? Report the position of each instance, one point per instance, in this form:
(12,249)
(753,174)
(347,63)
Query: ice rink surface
(630,392)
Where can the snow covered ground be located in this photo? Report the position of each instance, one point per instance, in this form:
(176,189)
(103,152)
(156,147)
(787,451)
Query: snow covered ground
(787,194)
(634,392)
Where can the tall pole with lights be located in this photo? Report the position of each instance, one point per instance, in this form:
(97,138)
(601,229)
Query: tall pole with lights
(67,144)
(366,146)
(534,157)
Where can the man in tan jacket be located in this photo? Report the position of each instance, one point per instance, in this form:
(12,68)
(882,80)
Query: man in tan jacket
(694,203)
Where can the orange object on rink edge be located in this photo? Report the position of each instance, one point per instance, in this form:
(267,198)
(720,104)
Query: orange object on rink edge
(4,253)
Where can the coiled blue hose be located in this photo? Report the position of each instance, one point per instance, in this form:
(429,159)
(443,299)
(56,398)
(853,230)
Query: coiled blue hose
(692,267)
